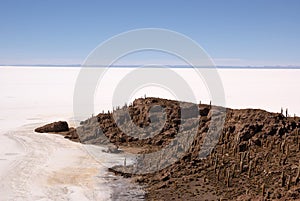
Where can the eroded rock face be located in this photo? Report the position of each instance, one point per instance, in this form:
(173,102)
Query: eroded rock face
(59,126)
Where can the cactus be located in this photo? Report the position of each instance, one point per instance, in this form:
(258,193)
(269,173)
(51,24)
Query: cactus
(216,164)
(267,143)
(298,174)
(248,156)
(242,158)
(279,162)
(284,160)
(282,178)
(234,150)
(237,139)
(249,170)
(282,146)
(272,144)
(241,166)
(289,182)
(218,174)
(254,163)
(227,136)
(263,190)
(233,170)
(287,150)
(228,178)
(224,173)
(279,147)
(249,144)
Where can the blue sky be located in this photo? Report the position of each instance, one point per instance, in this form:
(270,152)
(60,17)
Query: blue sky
(256,32)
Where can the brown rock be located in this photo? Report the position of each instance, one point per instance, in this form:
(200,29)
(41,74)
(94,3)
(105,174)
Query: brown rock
(60,126)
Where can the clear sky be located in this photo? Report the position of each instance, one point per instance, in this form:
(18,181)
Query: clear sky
(240,32)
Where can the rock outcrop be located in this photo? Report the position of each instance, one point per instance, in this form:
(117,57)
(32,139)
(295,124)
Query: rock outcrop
(256,156)
(59,126)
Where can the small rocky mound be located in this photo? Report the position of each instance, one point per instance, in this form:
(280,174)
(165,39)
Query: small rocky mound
(59,126)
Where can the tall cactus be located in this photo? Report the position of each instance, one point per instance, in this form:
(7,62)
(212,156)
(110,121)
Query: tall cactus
(282,178)
(233,170)
(298,174)
(228,178)
(249,170)
(263,190)
(218,174)
(289,182)
(241,166)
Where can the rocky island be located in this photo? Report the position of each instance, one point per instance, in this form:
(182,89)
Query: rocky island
(254,157)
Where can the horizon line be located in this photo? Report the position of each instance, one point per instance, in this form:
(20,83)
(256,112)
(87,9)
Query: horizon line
(172,66)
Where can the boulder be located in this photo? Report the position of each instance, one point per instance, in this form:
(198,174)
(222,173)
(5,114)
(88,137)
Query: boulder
(60,126)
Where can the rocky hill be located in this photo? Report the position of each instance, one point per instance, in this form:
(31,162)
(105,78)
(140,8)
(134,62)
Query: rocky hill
(253,154)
